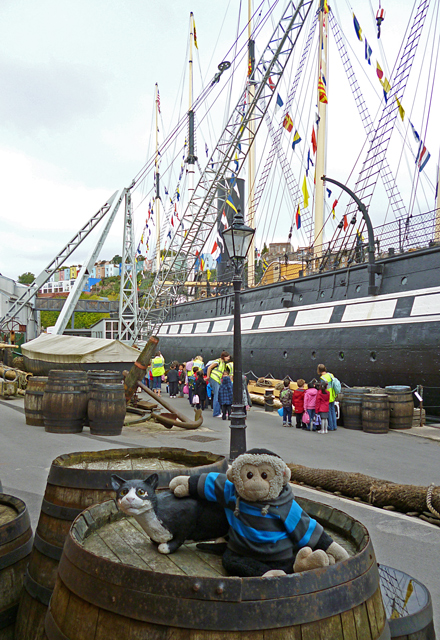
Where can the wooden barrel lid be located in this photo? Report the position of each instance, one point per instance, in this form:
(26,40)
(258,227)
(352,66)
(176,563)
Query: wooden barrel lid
(92,469)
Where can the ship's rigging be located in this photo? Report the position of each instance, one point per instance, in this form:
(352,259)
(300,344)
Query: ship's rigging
(198,218)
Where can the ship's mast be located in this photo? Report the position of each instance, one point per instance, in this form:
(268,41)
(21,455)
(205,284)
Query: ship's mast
(156,175)
(251,157)
(191,158)
(321,133)
(437,211)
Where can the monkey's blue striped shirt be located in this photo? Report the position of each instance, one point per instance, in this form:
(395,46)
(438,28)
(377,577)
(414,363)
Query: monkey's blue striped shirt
(275,535)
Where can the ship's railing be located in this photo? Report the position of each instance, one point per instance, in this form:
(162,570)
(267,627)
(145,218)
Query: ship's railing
(414,232)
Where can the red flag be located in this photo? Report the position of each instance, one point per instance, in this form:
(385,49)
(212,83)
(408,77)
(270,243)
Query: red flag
(314,143)
(345,222)
(321,92)
(379,71)
(288,123)
(271,84)
(334,204)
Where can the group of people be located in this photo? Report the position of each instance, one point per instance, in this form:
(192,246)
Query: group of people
(206,386)
(314,407)
(211,385)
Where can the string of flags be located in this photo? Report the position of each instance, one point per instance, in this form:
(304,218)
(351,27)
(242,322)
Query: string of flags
(422,155)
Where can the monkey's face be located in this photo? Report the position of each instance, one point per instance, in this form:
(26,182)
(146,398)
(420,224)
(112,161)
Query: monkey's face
(257,481)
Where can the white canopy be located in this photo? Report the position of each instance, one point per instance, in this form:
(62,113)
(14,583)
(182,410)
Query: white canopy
(54,348)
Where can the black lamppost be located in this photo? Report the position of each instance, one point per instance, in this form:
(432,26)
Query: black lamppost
(238,239)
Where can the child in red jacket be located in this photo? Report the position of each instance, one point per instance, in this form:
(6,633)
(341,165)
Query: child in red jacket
(298,402)
(322,406)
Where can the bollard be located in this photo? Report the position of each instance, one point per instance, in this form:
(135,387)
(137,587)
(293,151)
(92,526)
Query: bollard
(268,400)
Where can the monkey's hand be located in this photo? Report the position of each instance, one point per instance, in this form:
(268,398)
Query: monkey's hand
(336,553)
(180,486)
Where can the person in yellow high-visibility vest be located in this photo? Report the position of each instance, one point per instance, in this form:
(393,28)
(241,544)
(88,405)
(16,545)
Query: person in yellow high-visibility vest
(158,370)
(215,374)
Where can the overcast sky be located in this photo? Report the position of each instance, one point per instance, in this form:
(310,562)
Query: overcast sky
(77,88)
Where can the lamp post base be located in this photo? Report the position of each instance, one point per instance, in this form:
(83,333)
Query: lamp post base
(238,432)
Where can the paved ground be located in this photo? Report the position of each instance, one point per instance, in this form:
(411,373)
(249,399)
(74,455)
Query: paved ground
(410,457)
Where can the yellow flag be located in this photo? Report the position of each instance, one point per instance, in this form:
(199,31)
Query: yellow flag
(195,34)
(386,85)
(401,109)
(305,193)
(208,274)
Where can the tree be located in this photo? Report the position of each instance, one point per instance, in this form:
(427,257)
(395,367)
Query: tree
(116,259)
(265,249)
(26,278)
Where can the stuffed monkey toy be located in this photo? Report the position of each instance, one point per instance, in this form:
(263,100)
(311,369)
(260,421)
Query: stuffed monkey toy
(269,533)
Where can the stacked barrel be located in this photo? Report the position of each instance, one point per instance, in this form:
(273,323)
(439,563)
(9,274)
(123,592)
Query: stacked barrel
(65,401)
(377,410)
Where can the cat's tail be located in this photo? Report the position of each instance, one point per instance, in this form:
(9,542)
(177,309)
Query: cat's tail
(216,548)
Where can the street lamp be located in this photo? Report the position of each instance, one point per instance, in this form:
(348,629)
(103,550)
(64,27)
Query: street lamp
(238,239)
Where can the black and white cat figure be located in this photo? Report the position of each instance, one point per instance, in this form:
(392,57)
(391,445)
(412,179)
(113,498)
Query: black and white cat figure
(168,520)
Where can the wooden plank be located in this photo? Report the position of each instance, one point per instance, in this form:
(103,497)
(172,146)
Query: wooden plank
(141,630)
(312,631)
(113,536)
(191,564)
(140,542)
(81,619)
(123,464)
(111,625)
(379,609)
(285,633)
(214,561)
(7,513)
(361,620)
(96,545)
(331,628)
(371,612)
(348,625)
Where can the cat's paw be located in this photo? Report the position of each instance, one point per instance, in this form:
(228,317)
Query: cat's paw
(180,486)
(164,548)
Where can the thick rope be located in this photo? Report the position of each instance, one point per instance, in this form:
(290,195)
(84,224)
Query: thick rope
(428,500)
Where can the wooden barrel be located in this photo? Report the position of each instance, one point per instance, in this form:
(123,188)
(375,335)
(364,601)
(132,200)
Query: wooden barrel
(352,407)
(106,409)
(408,605)
(75,482)
(15,548)
(114,581)
(33,401)
(401,406)
(375,413)
(103,376)
(65,401)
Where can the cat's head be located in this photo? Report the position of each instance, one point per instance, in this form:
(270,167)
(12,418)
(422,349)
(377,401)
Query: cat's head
(135,496)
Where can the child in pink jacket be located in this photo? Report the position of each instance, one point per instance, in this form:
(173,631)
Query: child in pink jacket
(310,402)
(322,406)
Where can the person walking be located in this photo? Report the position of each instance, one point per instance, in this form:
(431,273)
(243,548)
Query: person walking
(328,377)
(158,370)
(215,374)
(173,381)
(225,396)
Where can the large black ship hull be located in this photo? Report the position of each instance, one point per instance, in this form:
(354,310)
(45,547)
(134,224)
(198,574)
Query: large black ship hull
(290,327)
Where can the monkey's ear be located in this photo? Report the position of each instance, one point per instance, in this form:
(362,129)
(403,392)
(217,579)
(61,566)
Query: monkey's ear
(229,475)
(286,475)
